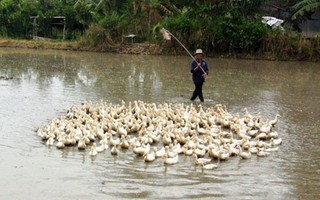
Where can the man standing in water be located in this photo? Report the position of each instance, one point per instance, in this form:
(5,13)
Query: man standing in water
(199,70)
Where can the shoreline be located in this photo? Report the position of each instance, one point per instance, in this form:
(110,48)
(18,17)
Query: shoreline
(133,48)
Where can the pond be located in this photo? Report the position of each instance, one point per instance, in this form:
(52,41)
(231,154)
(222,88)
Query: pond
(40,85)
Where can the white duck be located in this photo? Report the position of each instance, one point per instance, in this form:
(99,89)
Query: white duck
(61,143)
(201,161)
(101,147)
(253,150)
(244,155)
(93,151)
(100,133)
(265,128)
(272,149)
(171,161)
(50,141)
(262,136)
(224,155)
(155,137)
(275,142)
(187,151)
(273,134)
(209,166)
(121,130)
(177,147)
(114,142)
(274,121)
(242,132)
(262,153)
(141,150)
(190,143)
(149,157)
(86,139)
(71,140)
(170,152)
(161,152)
(200,130)
(82,144)
(214,152)
(124,143)
(114,150)
(233,149)
(200,152)
(166,139)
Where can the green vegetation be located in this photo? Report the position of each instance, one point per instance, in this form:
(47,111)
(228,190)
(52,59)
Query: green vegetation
(305,6)
(219,27)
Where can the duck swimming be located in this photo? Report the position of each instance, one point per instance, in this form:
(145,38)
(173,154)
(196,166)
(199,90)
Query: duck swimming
(164,131)
(50,141)
(275,120)
(209,166)
(275,142)
(160,153)
(150,156)
(262,153)
(141,150)
(101,148)
(201,161)
(93,151)
(114,150)
(82,144)
(244,155)
(171,161)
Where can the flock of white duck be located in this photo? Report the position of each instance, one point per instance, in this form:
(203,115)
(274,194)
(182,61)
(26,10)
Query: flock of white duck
(163,131)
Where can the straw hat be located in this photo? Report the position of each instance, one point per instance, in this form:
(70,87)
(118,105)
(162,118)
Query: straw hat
(198,51)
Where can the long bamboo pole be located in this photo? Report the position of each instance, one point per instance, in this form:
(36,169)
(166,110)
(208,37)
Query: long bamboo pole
(166,35)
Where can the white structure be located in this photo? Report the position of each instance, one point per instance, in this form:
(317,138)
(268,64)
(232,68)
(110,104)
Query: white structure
(272,21)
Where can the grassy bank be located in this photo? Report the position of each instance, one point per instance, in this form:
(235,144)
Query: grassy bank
(136,48)
(275,47)
(292,46)
(39,44)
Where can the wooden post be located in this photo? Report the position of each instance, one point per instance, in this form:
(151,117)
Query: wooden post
(34,27)
(64,28)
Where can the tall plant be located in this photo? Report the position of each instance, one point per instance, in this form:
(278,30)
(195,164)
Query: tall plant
(15,17)
(304,7)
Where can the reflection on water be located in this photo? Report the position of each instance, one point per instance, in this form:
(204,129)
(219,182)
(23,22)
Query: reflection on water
(46,83)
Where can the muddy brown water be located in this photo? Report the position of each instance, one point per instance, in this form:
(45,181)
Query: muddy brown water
(45,83)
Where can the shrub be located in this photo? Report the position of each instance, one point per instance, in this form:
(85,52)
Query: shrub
(96,36)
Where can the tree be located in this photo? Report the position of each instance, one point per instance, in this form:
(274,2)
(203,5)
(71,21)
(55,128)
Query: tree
(305,7)
(15,17)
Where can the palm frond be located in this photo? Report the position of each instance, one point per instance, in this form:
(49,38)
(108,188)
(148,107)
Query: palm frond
(305,6)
